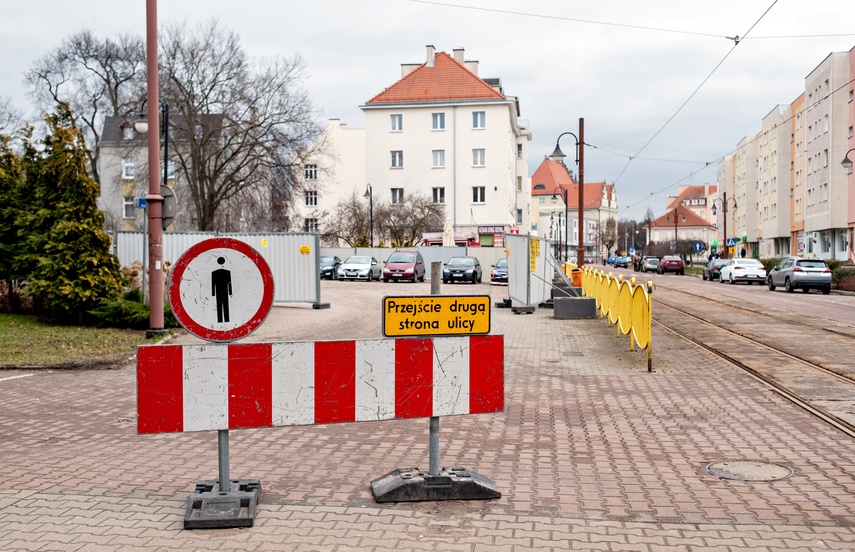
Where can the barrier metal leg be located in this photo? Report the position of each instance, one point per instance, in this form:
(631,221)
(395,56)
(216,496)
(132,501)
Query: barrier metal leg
(223,503)
(434,446)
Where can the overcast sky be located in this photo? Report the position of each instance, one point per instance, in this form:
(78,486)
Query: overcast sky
(656,80)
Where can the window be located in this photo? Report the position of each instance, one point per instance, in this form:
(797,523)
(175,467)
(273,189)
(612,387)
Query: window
(170,169)
(311,198)
(128,132)
(479,119)
(129,207)
(311,172)
(519,183)
(397,195)
(519,151)
(310,225)
(128,167)
(519,216)
(479,194)
(438,121)
(197,131)
(439,195)
(397,159)
(397,122)
(438,159)
(478,157)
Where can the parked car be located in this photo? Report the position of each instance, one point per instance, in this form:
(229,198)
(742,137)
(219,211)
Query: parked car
(404,265)
(329,266)
(359,267)
(622,262)
(797,273)
(611,260)
(671,263)
(499,274)
(712,270)
(743,270)
(650,264)
(461,269)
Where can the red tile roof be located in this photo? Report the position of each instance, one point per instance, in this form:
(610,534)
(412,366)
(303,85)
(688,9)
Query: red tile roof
(552,174)
(446,80)
(685,217)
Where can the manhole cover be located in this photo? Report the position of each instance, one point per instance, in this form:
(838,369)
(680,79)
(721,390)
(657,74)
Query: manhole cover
(748,470)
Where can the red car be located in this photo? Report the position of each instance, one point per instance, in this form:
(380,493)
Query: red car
(671,263)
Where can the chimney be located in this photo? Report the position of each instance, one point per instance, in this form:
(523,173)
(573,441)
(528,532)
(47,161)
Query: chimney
(431,56)
(458,55)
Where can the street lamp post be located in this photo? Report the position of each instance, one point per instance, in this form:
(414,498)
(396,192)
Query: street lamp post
(563,192)
(369,195)
(723,200)
(154,201)
(559,156)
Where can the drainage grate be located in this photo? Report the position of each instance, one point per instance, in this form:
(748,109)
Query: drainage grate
(749,470)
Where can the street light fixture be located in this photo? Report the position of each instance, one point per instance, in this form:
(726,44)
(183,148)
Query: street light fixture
(559,156)
(847,163)
(369,195)
(723,201)
(563,192)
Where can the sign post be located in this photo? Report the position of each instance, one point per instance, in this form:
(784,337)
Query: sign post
(431,315)
(221,290)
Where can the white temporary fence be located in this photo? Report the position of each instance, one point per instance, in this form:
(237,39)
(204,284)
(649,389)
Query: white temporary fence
(529,274)
(293,257)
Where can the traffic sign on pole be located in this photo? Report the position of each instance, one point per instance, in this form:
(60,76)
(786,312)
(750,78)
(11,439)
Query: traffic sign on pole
(221,289)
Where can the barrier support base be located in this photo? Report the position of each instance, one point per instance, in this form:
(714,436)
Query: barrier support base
(413,485)
(209,508)
(522,310)
(503,304)
(318,306)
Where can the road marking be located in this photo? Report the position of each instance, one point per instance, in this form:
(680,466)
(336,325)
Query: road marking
(16,377)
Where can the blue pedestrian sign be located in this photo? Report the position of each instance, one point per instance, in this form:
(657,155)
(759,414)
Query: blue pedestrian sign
(730,242)
(140,202)
(698,246)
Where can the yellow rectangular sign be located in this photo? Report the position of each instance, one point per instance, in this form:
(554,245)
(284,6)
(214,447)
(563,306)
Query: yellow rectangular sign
(436,315)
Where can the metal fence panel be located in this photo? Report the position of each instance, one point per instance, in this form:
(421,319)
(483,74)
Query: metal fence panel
(295,271)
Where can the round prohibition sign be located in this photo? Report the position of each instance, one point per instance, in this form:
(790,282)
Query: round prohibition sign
(221,289)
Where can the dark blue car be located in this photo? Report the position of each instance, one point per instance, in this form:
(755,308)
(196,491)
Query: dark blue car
(499,274)
(329,267)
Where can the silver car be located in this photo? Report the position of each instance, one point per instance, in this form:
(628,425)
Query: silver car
(359,267)
(798,273)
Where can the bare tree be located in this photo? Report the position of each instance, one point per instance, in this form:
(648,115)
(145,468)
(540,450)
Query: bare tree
(608,234)
(404,223)
(248,124)
(95,77)
(349,223)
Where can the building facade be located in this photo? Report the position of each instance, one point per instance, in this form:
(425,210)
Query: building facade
(443,131)
(553,220)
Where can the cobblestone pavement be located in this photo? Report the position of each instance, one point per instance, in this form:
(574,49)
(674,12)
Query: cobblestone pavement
(592,452)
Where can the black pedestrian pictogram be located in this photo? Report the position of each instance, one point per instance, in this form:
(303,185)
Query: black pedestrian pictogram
(221,288)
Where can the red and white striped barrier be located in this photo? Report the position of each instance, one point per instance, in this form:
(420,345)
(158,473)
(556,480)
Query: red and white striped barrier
(232,386)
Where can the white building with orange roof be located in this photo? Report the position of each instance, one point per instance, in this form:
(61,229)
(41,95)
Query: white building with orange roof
(443,131)
(548,186)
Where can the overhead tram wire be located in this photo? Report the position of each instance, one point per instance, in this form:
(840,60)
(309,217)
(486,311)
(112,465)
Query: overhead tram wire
(736,40)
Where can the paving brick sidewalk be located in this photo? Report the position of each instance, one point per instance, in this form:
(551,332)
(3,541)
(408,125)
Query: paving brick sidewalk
(591,453)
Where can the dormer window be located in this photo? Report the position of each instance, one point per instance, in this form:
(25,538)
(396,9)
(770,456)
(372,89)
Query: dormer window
(128,132)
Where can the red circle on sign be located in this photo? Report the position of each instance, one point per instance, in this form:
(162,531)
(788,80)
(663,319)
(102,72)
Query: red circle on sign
(205,332)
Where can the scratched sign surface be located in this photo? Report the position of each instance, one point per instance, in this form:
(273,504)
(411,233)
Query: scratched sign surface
(221,289)
(231,386)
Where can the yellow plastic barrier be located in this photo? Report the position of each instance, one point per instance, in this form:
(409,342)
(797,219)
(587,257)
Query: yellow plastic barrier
(626,304)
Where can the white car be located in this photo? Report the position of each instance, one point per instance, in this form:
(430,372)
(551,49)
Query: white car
(743,270)
(360,267)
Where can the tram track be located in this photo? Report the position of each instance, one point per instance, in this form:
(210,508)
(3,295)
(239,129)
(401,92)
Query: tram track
(812,378)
